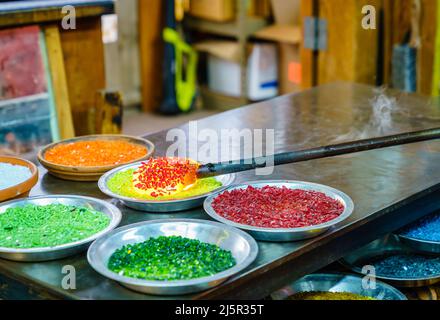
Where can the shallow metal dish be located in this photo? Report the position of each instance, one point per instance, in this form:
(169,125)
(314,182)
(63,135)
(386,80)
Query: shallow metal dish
(338,283)
(292,234)
(164,205)
(65,250)
(243,248)
(387,246)
(423,246)
(77,173)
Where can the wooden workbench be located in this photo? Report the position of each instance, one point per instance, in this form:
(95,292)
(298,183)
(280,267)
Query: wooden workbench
(390,188)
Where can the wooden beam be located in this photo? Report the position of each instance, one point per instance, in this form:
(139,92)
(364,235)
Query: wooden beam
(352,51)
(109,110)
(426,52)
(308,56)
(50,14)
(59,82)
(151,24)
(83,52)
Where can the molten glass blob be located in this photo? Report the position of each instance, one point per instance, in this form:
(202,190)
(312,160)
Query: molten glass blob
(165,176)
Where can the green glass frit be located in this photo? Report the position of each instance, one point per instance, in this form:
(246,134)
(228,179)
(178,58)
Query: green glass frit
(35,226)
(170,258)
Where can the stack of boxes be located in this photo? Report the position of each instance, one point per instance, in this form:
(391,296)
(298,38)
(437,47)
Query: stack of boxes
(273,64)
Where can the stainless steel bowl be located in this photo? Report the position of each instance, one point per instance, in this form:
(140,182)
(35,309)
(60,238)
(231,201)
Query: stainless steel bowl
(292,234)
(243,248)
(164,205)
(387,246)
(422,246)
(339,283)
(65,250)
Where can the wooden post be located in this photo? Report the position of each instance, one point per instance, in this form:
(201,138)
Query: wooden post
(83,52)
(426,52)
(58,78)
(151,49)
(308,56)
(352,51)
(108,113)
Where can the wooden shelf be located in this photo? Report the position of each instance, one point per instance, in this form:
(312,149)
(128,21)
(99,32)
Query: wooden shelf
(229,29)
(31,12)
(241,29)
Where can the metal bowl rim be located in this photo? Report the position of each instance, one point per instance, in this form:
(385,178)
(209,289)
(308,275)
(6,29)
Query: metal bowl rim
(253,252)
(341,275)
(151,148)
(358,270)
(116,217)
(428,242)
(102,184)
(348,210)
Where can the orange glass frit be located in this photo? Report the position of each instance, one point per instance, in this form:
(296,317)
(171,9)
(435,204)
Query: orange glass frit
(95,153)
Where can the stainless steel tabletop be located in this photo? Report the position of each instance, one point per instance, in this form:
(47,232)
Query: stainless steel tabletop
(390,188)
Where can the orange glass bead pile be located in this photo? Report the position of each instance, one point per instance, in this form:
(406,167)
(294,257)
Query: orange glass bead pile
(95,153)
(165,176)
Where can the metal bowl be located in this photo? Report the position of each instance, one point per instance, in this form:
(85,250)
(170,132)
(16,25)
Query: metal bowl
(287,234)
(339,283)
(68,249)
(422,246)
(90,173)
(243,248)
(387,246)
(163,205)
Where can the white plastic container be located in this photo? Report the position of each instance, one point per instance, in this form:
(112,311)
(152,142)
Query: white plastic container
(262,73)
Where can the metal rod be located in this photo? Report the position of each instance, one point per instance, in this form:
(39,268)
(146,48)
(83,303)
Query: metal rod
(214,169)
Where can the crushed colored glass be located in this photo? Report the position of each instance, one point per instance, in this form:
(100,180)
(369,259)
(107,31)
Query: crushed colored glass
(121,184)
(320,295)
(427,228)
(34,226)
(165,176)
(277,207)
(95,153)
(170,258)
(11,175)
(407,266)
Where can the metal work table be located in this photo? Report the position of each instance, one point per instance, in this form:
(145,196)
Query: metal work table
(390,188)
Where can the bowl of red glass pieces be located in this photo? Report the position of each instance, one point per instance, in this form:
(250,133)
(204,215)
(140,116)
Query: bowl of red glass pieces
(280,211)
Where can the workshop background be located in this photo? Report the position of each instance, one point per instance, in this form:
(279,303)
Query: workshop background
(115,69)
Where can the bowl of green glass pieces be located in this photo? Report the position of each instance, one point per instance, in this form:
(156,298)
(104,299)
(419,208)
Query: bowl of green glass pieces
(46,228)
(172,256)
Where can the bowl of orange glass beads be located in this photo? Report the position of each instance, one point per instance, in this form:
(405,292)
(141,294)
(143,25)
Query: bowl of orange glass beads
(87,158)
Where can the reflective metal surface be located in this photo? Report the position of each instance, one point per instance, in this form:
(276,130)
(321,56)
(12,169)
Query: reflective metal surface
(418,245)
(322,282)
(384,247)
(283,235)
(241,245)
(163,205)
(65,250)
(390,187)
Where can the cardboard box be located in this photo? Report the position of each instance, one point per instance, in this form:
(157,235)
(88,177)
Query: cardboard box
(286,12)
(225,10)
(224,70)
(215,10)
(290,71)
(286,32)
